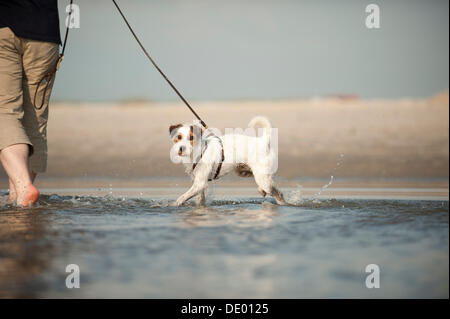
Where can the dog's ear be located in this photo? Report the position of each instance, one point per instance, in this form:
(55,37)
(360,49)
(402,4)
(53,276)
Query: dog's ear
(174,127)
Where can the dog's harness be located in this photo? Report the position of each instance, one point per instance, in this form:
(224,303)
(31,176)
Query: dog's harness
(219,166)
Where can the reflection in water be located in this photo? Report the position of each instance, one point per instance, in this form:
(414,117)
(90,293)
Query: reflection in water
(241,248)
(227,215)
(24,252)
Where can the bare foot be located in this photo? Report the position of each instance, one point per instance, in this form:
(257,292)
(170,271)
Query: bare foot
(29,197)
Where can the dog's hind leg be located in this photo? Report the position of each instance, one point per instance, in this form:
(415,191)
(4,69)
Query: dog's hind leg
(266,186)
(277,195)
(262,192)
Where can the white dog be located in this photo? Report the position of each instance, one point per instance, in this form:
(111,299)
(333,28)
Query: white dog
(208,156)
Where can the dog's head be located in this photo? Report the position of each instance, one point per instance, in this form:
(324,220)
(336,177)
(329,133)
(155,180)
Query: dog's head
(185,138)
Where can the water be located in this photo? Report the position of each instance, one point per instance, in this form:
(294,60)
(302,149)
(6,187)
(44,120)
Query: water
(234,247)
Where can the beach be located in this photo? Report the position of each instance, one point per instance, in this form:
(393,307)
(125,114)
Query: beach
(354,140)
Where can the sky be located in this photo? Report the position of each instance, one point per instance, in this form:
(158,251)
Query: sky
(255,49)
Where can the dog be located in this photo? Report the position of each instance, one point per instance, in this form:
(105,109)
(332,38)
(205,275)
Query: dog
(208,156)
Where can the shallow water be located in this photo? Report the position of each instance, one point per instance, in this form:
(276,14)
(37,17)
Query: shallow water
(234,247)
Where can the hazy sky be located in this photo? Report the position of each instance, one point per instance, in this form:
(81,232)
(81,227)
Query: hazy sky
(217,49)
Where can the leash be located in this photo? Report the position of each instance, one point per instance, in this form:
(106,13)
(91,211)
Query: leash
(157,67)
(49,76)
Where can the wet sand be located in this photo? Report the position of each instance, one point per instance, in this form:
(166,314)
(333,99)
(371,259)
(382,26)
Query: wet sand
(428,190)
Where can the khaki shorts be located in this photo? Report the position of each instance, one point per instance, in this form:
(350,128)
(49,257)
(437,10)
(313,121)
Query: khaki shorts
(23,63)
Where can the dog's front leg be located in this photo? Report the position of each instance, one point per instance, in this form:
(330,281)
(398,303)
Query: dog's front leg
(197,188)
(200,198)
(203,170)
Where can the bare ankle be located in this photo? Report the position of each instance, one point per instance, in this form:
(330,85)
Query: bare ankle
(12,192)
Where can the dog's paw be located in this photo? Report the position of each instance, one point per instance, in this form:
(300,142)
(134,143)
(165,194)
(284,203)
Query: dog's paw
(176,203)
(262,192)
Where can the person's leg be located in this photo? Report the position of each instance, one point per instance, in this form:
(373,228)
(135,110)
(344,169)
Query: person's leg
(14,142)
(14,159)
(39,58)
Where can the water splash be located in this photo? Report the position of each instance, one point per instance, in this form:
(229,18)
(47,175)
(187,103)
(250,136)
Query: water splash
(295,197)
(324,187)
(338,164)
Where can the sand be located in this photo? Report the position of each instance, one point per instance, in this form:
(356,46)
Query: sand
(405,139)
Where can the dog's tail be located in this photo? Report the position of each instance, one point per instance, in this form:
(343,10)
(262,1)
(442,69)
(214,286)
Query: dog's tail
(263,122)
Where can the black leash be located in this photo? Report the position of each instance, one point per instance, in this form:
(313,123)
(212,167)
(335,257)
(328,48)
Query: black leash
(49,76)
(156,66)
